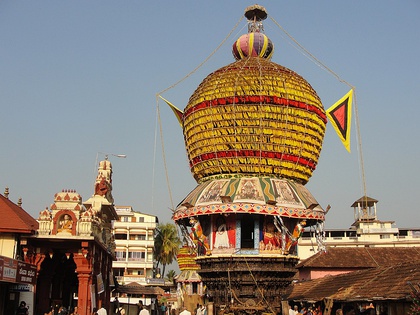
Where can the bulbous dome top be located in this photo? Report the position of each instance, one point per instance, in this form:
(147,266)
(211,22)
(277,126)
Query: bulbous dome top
(253,45)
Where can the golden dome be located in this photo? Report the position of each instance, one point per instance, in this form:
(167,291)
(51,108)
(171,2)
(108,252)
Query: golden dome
(254,118)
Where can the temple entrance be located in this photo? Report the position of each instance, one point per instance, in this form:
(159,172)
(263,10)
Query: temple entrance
(57,283)
(247,232)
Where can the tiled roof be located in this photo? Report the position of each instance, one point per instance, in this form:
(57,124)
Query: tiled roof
(382,283)
(360,257)
(136,288)
(14,219)
(364,202)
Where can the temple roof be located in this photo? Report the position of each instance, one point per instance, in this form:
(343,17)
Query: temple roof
(360,257)
(364,201)
(135,288)
(18,220)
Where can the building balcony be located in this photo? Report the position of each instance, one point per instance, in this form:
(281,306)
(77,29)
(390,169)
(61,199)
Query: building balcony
(133,261)
(134,226)
(135,243)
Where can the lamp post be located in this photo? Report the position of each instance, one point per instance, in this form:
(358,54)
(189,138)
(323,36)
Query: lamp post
(112,154)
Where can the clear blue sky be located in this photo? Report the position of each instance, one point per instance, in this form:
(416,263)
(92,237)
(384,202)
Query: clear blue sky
(80,77)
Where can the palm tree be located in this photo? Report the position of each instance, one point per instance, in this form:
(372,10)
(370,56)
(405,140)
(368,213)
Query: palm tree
(167,243)
(170,276)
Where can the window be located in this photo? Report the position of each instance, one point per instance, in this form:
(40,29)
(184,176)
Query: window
(118,272)
(403,232)
(137,237)
(351,234)
(133,256)
(194,288)
(337,234)
(120,255)
(120,236)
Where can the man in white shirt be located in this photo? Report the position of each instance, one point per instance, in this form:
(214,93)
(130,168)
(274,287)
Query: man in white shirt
(102,311)
(185,312)
(144,311)
(291,311)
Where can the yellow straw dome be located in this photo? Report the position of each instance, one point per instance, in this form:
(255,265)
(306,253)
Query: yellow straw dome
(254,117)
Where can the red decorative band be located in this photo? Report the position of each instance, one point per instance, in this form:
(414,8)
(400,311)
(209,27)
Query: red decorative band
(256,99)
(253,153)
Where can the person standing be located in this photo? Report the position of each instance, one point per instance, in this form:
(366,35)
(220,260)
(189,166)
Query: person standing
(185,311)
(144,311)
(102,311)
(139,306)
(198,310)
(22,309)
(75,311)
(204,310)
(116,304)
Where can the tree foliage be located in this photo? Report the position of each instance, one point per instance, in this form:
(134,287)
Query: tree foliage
(415,295)
(167,244)
(170,276)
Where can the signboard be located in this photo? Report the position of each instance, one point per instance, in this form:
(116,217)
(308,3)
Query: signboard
(12,270)
(26,273)
(9,269)
(155,281)
(100,283)
(21,288)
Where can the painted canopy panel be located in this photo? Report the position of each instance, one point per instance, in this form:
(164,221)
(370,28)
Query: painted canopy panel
(251,195)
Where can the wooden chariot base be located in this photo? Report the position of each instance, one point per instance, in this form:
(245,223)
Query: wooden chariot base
(246,284)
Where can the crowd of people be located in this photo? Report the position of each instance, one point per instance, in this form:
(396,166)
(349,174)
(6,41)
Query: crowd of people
(162,309)
(310,310)
(362,309)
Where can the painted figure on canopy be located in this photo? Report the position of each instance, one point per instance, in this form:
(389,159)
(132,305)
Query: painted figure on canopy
(198,237)
(297,233)
(271,238)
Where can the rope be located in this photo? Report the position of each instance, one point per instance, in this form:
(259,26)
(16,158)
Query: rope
(258,287)
(160,120)
(163,152)
(359,139)
(322,65)
(205,60)
(154,160)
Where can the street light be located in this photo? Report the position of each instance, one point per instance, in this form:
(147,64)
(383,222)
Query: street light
(106,155)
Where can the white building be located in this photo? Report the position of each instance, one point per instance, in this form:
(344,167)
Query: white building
(366,231)
(134,239)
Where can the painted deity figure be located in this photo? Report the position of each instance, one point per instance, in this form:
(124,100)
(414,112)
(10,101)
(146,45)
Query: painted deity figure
(271,239)
(66,224)
(198,236)
(222,236)
(297,233)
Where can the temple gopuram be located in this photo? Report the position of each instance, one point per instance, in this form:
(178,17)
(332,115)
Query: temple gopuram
(74,249)
(253,133)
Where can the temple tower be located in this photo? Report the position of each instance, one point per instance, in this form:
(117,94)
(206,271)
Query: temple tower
(74,248)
